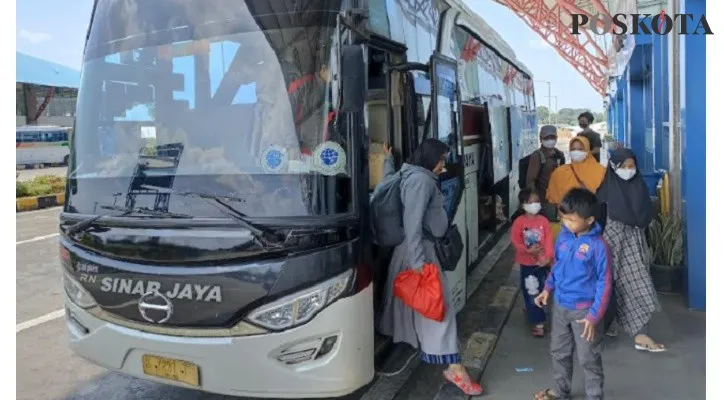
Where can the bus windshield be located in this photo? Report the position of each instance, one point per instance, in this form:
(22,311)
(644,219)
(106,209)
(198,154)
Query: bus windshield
(225,97)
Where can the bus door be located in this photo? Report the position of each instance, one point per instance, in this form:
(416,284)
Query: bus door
(384,118)
(498,114)
(446,128)
(515,124)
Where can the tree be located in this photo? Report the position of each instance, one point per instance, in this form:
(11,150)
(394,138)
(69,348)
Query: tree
(543,114)
(599,117)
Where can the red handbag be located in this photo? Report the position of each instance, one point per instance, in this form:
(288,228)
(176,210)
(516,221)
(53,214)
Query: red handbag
(422,291)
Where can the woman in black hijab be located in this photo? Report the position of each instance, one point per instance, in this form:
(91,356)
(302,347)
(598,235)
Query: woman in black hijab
(629,213)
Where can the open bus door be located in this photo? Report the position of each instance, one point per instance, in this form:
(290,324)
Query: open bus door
(445,112)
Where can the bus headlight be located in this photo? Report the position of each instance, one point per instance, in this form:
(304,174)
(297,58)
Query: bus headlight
(77,293)
(300,307)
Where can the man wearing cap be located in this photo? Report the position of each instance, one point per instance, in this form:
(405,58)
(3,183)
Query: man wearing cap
(543,161)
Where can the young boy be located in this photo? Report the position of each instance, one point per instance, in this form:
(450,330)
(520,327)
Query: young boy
(531,236)
(580,282)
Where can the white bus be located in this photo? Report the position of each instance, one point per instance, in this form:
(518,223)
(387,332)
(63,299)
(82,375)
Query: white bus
(42,144)
(228,248)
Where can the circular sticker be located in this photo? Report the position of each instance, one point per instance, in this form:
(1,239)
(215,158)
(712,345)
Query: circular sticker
(274,159)
(329,158)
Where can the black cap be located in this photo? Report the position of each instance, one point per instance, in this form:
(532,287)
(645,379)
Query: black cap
(548,131)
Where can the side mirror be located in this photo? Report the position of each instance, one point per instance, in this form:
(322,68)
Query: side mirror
(354,82)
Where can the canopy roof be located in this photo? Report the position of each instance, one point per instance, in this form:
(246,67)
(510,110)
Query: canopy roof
(36,71)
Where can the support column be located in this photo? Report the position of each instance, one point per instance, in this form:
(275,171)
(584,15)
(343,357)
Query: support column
(693,117)
(620,117)
(674,111)
(31,103)
(637,139)
(660,79)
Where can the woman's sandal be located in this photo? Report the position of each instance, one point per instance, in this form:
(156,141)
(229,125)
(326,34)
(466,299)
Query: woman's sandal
(650,347)
(538,331)
(463,383)
(547,394)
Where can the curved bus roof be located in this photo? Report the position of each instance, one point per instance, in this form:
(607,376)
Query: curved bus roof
(489,35)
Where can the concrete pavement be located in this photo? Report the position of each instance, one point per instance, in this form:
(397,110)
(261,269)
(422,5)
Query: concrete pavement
(521,364)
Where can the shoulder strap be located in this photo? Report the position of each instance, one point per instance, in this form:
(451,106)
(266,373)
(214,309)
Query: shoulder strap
(542,156)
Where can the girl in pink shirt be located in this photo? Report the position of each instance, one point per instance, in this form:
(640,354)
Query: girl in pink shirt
(533,241)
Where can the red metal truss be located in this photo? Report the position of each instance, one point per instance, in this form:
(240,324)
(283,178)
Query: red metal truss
(46,101)
(581,51)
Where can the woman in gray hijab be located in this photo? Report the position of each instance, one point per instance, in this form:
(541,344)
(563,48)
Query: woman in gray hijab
(424,214)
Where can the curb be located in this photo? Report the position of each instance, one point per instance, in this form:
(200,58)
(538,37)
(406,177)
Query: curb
(481,343)
(20,167)
(39,202)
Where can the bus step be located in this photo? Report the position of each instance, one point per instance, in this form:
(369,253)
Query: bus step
(383,346)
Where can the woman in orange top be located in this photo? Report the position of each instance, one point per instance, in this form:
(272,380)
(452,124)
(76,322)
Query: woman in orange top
(584,171)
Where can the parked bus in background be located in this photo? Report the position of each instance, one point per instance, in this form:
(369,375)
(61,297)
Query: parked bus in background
(42,144)
(216,232)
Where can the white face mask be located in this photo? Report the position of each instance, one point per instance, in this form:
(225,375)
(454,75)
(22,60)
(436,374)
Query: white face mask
(532,208)
(549,143)
(578,155)
(626,173)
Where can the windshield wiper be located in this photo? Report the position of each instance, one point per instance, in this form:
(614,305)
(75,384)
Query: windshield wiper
(260,232)
(88,222)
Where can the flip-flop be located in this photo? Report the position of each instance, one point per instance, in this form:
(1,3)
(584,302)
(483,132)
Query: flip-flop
(546,394)
(651,348)
(538,331)
(463,383)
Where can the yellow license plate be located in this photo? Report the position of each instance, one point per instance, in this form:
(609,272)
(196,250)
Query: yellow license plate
(168,368)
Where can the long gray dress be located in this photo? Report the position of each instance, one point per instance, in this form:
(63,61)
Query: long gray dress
(423,209)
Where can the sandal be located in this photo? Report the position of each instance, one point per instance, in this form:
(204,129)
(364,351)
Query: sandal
(463,383)
(645,343)
(650,347)
(547,394)
(538,331)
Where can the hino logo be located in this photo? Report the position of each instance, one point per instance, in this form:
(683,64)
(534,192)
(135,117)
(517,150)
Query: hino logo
(157,302)
(642,24)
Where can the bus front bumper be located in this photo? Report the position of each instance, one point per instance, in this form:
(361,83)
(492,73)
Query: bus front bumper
(245,365)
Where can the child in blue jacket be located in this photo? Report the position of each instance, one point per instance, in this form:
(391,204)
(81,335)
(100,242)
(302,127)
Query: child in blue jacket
(580,282)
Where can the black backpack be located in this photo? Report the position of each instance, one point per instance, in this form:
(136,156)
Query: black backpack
(523,166)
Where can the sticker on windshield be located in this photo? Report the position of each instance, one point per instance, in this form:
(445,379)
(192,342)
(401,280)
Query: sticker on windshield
(274,159)
(329,158)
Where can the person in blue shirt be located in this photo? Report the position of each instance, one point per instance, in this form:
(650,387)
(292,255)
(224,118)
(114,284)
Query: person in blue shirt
(580,282)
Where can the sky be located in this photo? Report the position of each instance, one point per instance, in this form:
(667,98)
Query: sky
(55,30)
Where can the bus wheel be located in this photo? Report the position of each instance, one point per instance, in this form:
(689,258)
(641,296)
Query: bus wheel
(66,159)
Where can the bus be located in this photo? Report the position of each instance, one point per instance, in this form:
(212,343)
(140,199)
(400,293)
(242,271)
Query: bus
(42,144)
(216,229)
